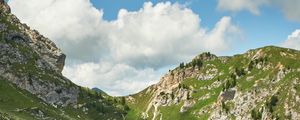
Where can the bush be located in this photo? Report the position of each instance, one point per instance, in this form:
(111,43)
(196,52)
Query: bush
(240,72)
(183,86)
(274,100)
(123,101)
(233,76)
(225,107)
(126,108)
(181,65)
(229,84)
(162,93)
(197,62)
(251,65)
(256,115)
(271,103)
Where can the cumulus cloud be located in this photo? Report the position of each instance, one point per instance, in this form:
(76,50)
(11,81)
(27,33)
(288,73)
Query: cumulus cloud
(293,40)
(290,8)
(150,36)
(127,54)
(115,79)
(222,35)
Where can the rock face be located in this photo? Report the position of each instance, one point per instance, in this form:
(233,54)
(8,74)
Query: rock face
(4,6)
(228,95)
(186,105)
(41,45)
(33,62)
(32,85)
(260,84)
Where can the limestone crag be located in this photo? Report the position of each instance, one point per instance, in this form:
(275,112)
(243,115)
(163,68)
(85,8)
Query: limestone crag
(42,45)
(259,84)
(169,91)
(33,62)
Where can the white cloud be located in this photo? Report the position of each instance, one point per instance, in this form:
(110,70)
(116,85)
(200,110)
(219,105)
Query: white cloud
(222,35)
(293,40)
(150,36)
(239,5)
(115,79)
(290,8)
(126,54)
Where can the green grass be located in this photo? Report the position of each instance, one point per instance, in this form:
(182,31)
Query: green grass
(13,98)
(140,105)
(4,20)
(100,105)
(172,113)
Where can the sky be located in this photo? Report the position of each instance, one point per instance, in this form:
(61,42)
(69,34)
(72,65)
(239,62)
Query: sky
(122,46)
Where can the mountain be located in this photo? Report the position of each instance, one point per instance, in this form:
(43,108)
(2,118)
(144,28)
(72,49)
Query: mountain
(31,83)
(262,83)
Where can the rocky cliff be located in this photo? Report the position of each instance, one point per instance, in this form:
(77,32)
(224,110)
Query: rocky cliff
(30,66)
(30,61)
(259,84)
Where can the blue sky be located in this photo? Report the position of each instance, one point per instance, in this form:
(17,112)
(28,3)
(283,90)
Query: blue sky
(124,55)
(268,28)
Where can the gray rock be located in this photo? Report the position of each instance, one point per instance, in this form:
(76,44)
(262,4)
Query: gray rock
(34,63)
(228,95)
(186,105)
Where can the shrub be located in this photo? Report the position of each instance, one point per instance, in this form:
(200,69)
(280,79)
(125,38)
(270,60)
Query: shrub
(225,107)
(271,103)
(240,72)
(251,65)
(197,62)
(162,93)
(256,115)
(181,65)
(229,84)
(123,101)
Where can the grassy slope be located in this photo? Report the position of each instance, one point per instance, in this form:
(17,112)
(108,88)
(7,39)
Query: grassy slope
(13,99)
(138,107)
(273,57)
(19,104)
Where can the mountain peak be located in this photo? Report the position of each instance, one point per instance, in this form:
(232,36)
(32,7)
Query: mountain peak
(14,30)
(206,56)
(4,6)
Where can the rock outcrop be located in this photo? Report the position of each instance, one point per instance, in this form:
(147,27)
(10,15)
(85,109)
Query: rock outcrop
(33,62)
(260,84)
(32,85)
